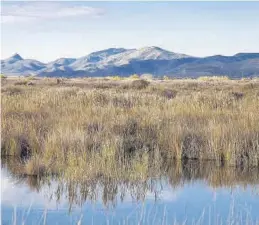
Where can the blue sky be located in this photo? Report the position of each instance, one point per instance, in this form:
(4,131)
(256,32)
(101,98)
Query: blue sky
(49,30)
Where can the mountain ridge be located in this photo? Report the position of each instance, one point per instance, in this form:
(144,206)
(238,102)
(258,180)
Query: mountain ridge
(124,62)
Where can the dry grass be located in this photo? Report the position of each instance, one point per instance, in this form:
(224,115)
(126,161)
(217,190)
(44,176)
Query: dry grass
(93,126)
(212,78)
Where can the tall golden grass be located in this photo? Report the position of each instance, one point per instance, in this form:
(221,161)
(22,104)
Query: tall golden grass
(93,126)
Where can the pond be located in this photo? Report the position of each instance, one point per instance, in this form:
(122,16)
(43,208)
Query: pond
(194,193)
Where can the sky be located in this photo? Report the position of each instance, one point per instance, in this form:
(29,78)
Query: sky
(49,30)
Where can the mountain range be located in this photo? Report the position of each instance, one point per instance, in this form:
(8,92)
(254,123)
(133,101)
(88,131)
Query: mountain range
(124,62)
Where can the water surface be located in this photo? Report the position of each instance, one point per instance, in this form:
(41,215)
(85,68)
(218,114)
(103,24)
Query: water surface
(195,193)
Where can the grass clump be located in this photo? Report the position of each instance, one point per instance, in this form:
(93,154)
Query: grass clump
(34,167)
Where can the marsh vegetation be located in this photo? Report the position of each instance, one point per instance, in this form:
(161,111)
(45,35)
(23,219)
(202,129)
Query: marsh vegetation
(115,128)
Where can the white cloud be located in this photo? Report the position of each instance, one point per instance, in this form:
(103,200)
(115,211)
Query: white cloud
(31,11)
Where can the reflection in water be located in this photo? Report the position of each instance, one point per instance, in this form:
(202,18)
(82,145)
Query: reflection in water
(109,190)
(195,192)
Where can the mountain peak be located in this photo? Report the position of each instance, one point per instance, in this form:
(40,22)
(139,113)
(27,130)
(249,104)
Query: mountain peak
(156,53)
(98,56)
(151,48)
(13,59)
(108,52)
(16,56)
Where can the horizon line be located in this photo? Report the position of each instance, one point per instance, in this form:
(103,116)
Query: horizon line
(105,49)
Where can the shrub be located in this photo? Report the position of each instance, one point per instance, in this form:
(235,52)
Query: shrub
(12,90)
(3,79)
(115,78)
(122,102)
(237,95)
(168,93)
(213,78)
(31,77)
(146,76)
(22,82)
(30,83)
(59,81)
(139,84)
(134,76)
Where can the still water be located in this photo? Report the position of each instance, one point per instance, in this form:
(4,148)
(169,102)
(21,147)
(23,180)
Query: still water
(194,194)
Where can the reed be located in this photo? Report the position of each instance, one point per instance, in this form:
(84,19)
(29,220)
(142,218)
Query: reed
(108,125)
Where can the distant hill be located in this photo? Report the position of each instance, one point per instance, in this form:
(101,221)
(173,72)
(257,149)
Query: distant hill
(124,62)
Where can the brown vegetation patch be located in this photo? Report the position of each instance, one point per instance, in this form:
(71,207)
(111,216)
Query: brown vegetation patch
(168,93)
(238,95)
(139,84)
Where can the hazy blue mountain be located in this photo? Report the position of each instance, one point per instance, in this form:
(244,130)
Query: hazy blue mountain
(61,62)
(243,65)
(16,65)
(124,62)
(244,56)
